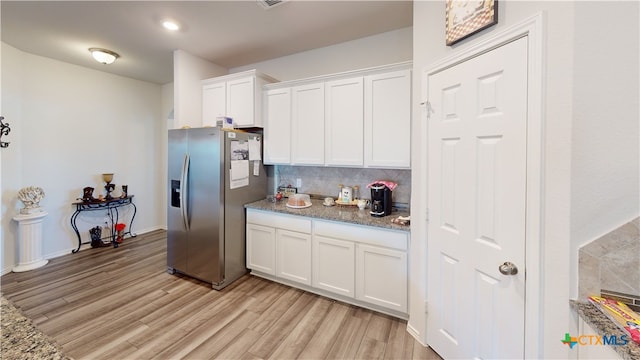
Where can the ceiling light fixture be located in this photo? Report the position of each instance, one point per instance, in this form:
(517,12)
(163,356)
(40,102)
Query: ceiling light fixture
(269,4)
(170,25)
(104,56)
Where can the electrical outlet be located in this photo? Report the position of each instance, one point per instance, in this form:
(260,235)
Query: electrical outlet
(298,183)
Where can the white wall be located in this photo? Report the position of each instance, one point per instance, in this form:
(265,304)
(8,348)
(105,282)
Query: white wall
(188,72)
(381,49)
(571,92)
(166,124)
(12,67)
(69,125)
(605,165)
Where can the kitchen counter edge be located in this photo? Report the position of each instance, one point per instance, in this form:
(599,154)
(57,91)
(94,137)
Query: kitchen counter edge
(604,326)
(346,214)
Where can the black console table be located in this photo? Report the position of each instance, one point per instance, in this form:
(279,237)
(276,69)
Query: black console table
(111,206)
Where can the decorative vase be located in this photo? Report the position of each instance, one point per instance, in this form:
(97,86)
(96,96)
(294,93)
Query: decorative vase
(30,197)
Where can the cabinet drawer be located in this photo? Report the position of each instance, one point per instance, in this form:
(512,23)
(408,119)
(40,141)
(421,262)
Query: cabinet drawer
(286,222)
(363,234)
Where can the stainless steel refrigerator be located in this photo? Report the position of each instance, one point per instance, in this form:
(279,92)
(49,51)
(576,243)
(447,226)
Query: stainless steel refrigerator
(213,173)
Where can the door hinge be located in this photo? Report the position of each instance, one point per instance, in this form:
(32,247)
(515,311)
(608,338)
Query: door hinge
(426,307)
(428,108)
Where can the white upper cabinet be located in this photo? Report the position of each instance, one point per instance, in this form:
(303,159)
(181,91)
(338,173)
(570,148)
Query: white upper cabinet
(387,124)
(307,118)
(357,119)
(214,102)
(238,96)
(241,101)
(277,129)
(344,116)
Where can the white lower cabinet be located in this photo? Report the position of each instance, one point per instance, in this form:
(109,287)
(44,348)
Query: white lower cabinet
(261,248)
(363,265)
(334,265)
(293,260)
(381,275)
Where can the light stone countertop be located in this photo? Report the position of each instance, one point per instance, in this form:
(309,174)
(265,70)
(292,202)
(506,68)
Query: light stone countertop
(604,326)
(22,340)
(347,214)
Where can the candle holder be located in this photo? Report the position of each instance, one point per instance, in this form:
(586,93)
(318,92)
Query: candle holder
(108,178)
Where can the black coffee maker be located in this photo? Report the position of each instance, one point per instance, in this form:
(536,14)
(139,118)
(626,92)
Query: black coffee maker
(380,200)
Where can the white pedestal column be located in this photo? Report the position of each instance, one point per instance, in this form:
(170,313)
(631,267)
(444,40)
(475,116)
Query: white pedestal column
(30,241)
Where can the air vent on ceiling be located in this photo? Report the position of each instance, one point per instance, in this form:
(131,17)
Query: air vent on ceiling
(268,4)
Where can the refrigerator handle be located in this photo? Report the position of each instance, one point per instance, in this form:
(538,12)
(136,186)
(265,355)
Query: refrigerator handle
(184,192)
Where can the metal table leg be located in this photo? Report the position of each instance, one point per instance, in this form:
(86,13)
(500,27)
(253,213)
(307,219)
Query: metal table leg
(75,228)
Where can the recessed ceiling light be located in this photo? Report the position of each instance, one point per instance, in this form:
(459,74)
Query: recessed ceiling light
(104,56)
(170,25)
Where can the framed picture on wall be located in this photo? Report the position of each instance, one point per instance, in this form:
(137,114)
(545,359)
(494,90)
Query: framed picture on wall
(466,17)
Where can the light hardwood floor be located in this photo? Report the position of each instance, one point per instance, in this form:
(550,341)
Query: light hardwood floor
(108,303)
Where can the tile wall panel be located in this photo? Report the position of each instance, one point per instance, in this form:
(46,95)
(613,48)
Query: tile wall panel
(611,263)
(324,181)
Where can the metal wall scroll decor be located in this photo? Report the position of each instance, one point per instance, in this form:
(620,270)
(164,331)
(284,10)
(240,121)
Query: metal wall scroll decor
(467,17)
(4,130)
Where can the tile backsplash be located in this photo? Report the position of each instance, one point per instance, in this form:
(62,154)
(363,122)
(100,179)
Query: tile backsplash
(611,263)
(324,181)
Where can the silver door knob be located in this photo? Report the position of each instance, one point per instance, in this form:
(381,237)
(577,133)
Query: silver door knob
(508,268)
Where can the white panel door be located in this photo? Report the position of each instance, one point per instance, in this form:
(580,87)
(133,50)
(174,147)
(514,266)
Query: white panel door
(240,101)
(307,120)
(344,114)
(277,130)
(476,198)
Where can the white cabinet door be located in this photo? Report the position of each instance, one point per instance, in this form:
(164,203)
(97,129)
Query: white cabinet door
(240,101)
(334,265)
(261,248)
(387,120)
(277,129)
(381,277)
(213,103)
(344,116)
(293,260)
(307,119)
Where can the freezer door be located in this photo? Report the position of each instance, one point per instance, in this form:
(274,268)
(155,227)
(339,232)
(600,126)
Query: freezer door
(176,230)
(205,241)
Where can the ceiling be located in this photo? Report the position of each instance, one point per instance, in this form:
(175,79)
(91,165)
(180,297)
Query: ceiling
(227,33)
